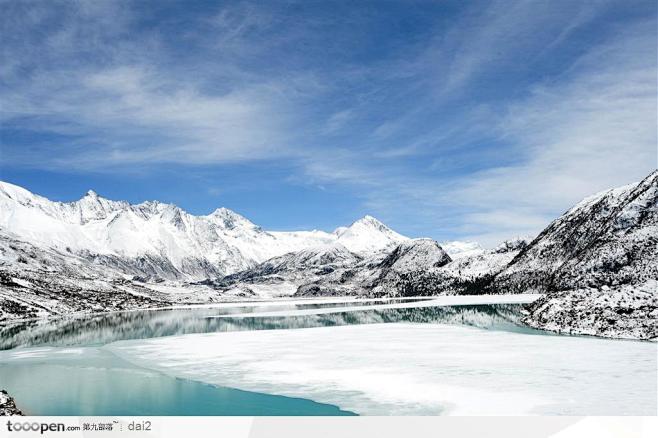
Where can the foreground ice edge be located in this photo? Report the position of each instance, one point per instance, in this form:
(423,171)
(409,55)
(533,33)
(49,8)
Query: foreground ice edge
(421,369)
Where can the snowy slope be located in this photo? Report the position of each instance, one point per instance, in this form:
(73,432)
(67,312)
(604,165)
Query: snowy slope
(458,249)
(599,264)
(414,267)
(608,239)
(368,235)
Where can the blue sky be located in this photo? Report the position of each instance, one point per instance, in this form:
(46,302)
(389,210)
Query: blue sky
(449,119)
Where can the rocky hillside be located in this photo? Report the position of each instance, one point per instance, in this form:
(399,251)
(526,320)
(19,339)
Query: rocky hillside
(609,239)
(598,264)
(629,311)
(414,267)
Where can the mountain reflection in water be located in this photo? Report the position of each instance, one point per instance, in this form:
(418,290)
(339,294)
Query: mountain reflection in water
(104,328)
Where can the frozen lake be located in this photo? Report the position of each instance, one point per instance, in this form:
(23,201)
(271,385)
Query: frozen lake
(328,357)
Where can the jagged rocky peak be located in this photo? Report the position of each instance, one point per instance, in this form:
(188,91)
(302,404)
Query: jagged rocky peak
(173,215)
(416,254)
(94,207)
(370,221)
(230,220)
(366,222)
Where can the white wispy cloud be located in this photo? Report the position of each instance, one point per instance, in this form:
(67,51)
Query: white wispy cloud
(587,129)
(130,105)
(407,132)
(592,130)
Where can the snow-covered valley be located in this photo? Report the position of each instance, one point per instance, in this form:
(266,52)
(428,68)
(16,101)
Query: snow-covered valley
(597,263)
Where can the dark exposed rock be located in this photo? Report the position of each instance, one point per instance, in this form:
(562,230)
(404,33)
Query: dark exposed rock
(8,405)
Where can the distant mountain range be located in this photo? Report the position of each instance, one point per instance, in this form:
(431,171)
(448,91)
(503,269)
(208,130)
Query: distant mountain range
(158,241)
(597,263)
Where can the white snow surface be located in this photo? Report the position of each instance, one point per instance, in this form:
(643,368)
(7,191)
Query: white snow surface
(458,249)
(223,238)
(417,369)
(368,235)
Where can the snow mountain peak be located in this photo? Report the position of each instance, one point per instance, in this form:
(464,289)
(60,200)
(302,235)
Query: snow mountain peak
(371,221)
(368,234)
(159,240)
(228,219)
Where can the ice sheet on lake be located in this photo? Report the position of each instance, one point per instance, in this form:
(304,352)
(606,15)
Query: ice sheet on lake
(452,300)
(418,368)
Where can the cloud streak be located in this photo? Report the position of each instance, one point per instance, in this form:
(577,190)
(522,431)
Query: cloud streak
(482,124)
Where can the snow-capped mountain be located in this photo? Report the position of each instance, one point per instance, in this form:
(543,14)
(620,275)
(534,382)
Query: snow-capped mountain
(598,263)
(287,273)
(157,240)
(368,235)
(458,249)
(608,239)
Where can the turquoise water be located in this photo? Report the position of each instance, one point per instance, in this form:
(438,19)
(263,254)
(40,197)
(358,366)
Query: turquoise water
(76,376)
(95,382)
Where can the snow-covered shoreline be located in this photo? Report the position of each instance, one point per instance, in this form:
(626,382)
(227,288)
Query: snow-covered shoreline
(627,312)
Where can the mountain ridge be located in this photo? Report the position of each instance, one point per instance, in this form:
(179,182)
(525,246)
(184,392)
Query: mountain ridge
(223,239)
